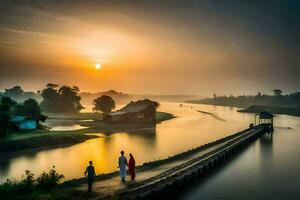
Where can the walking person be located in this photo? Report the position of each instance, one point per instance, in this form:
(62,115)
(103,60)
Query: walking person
(90,172)
(131,167)
(122,166)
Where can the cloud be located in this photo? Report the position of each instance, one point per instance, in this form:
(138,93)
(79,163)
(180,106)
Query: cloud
(184,46)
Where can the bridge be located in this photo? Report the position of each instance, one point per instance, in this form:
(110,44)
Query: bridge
(159,181)
(218,152)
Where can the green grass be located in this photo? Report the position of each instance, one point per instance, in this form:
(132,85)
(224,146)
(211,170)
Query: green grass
(43,138)
(75,116)
(163,116)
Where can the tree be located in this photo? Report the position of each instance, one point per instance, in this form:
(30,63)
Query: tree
(277,92)
(30,108)
(70,99)
(104,104)
(51,99)
(52,85)
(14,92)
(63,99)
(7,104)
(4,124)
(215,96)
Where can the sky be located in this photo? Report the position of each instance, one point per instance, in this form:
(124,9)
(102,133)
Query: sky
(158,47)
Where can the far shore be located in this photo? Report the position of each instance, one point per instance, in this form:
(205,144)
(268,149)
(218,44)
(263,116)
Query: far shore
(46,139)
(281,110)
(272,109)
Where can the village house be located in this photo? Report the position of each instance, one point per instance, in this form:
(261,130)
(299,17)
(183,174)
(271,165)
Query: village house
(139,111)
(20,123)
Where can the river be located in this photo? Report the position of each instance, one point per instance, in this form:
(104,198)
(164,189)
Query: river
(188,130)
(267,169)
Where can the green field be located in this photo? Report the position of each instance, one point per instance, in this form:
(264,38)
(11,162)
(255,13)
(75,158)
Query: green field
(44,138)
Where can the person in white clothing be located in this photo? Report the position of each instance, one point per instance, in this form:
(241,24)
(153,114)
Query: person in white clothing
(122,166)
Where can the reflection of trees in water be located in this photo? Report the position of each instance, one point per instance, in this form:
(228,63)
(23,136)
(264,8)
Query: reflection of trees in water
(132,130)
(6,160)
(145,133)
(144,136)
(4,165)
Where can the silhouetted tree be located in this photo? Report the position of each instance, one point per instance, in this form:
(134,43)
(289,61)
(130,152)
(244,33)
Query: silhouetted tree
(7,104)
(215,96)
(64,99)
(52,85)
(104,104)
(30,108)
(4,124)
(291,100)
(51,99)
(14,92)
(277,92)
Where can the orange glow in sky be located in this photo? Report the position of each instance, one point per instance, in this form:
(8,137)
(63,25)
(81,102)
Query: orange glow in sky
(184,50)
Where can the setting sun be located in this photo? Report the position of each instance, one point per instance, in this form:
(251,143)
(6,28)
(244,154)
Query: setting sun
(98,66)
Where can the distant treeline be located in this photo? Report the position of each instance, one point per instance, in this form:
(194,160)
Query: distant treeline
(119,97)
(53,98)
(243,101)
(19,95)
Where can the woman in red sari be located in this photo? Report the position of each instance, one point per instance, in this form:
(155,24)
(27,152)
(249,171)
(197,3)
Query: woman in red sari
(131,166)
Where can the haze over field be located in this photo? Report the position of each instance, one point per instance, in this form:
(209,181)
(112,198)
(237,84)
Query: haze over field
(158,47)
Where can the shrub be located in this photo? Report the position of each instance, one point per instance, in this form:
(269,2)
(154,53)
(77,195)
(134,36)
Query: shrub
(29,185)
(49,180)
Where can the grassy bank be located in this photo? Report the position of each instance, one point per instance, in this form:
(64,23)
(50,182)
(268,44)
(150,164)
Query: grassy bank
(76,116)
(43,138)
(286,110)
(69,189)
(163,116)
(272,109)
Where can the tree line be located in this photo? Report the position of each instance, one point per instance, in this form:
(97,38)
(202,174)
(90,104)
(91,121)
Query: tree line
(276,99)
(55,99)
(29,108)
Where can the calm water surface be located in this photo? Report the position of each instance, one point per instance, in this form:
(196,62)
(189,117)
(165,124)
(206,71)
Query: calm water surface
(268,169)
(188,130)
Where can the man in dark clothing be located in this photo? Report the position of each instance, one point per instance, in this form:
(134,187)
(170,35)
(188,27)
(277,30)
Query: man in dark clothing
(90,172)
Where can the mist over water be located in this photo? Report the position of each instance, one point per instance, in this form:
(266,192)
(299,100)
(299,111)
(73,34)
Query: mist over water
(190,129)
(267,169)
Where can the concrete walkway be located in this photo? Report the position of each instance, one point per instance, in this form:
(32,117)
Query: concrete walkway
(109,187)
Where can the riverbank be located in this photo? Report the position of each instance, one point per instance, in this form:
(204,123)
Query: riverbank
(109,186)
(44,138)
(76,116)
(272,109)
(282,110)
(216,103)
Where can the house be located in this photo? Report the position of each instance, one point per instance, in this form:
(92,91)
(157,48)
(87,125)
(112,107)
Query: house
(139,111)
(21,123)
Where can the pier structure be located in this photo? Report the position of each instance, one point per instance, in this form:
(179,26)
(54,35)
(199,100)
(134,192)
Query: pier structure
(160,187)
(156,180)
(264,117)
